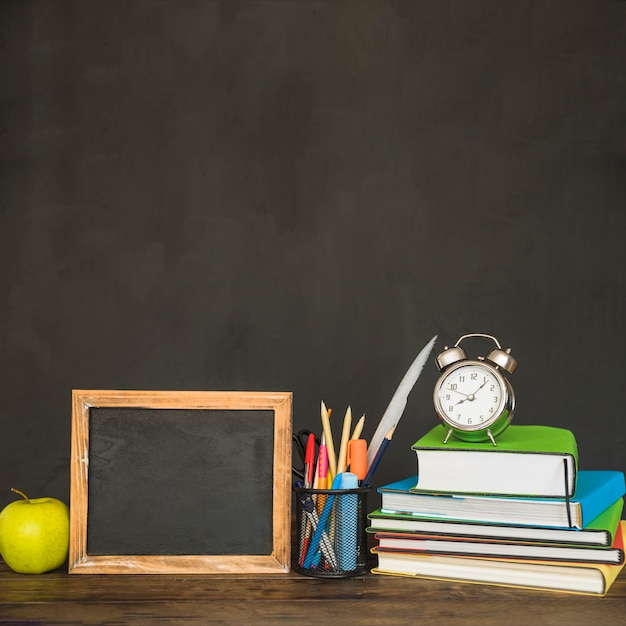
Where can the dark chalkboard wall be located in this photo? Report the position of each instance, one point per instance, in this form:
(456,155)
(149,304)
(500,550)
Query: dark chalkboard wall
(296,196)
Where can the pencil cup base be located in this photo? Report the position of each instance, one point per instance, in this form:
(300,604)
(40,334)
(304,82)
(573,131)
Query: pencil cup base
(330,532)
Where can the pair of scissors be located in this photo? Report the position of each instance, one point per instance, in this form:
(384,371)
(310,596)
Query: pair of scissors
(300,441)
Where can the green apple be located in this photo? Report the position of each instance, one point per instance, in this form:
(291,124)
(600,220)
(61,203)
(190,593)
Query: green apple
(34,534)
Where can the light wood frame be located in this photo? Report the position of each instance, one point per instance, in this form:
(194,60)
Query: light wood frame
(80,562)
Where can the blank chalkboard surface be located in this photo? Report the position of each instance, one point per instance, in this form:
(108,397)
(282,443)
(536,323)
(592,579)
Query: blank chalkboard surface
(180,481)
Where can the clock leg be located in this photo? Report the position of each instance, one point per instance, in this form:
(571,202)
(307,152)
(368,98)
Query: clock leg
(448,436)
(493,441)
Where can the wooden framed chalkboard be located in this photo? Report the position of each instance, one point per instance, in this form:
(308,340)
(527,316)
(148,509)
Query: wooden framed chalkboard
(180,482)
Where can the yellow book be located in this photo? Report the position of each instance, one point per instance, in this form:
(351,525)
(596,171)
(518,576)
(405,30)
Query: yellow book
(563,576)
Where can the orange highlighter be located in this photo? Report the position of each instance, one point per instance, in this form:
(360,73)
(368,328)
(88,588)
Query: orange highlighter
(357,457)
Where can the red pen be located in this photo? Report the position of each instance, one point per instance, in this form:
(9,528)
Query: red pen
(309,461)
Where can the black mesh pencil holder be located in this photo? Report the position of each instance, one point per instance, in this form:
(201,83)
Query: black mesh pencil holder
(330,532)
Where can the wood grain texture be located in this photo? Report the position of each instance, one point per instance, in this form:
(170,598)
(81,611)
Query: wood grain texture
(80,561)
(57,598)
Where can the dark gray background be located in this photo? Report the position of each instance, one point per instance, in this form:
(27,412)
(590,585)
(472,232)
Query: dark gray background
(296,196)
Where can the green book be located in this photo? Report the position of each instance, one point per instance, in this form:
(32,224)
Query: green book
(531,461)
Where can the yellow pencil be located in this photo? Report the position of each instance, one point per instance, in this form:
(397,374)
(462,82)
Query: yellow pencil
(345,436)
(330,446)
(358,429)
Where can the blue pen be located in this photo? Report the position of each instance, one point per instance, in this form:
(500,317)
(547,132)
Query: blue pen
(326,546)
(317,535)
(379,455)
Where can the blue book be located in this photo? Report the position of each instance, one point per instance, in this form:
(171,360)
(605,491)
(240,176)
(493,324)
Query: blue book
(596,491)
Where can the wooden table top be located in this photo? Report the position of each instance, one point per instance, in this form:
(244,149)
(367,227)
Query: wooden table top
(61,598)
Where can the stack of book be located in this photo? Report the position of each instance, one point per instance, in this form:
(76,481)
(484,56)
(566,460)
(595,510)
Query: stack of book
(519,514)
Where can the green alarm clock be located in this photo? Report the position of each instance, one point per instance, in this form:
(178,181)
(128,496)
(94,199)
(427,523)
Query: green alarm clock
(473,398)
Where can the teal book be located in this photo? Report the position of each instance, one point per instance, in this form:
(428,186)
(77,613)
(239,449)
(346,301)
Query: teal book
(599,532)
(537,461)
(596,491)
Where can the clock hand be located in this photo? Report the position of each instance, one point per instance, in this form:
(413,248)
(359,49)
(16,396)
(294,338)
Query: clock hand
(477,390)
(467,395)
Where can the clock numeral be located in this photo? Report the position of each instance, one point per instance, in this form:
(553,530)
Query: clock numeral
(474,376)
(469,420)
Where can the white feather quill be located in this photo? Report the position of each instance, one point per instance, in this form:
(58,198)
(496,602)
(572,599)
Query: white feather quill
(396,407)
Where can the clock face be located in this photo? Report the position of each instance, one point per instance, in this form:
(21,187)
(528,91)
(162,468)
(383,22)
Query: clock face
(470,396)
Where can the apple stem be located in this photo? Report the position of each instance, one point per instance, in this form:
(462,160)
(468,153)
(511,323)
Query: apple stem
(21,493)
